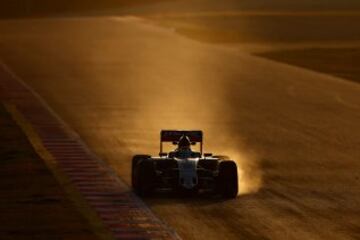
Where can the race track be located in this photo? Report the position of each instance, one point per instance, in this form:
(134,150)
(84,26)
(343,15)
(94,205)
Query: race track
(295,133)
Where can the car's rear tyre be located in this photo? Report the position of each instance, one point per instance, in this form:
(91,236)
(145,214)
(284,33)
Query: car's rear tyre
(145,177)
(134,175)
(228,179)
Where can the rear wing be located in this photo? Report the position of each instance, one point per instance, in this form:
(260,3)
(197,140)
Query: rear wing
(175,135)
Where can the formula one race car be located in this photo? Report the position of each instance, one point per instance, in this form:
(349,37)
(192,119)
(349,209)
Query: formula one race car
(183,169)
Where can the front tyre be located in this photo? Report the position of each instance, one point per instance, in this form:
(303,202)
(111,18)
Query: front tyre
(228,179)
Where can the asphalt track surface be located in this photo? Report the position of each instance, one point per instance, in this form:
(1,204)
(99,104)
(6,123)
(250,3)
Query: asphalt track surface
(295,133)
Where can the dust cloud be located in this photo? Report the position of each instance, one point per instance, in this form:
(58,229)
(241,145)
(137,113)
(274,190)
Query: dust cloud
(249,172)
(247,160)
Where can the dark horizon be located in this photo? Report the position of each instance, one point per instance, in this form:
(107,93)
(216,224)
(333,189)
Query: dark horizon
(44,8)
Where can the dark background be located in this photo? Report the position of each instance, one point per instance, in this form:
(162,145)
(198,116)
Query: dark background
(39,8)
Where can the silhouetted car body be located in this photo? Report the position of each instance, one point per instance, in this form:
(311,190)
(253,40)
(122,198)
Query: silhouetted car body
(188,172)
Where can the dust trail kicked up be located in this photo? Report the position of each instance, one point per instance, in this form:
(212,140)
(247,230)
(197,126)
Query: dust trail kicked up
(248,164)
(249,172)
(221,141)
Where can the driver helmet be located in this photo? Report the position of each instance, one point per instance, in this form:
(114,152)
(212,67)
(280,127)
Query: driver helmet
(184,142)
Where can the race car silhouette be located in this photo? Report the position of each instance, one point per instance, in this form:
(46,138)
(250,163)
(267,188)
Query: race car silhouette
(183,169)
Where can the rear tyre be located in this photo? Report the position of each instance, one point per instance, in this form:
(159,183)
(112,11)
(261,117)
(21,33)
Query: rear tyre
(134,175)
(146,177)
(228,179)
